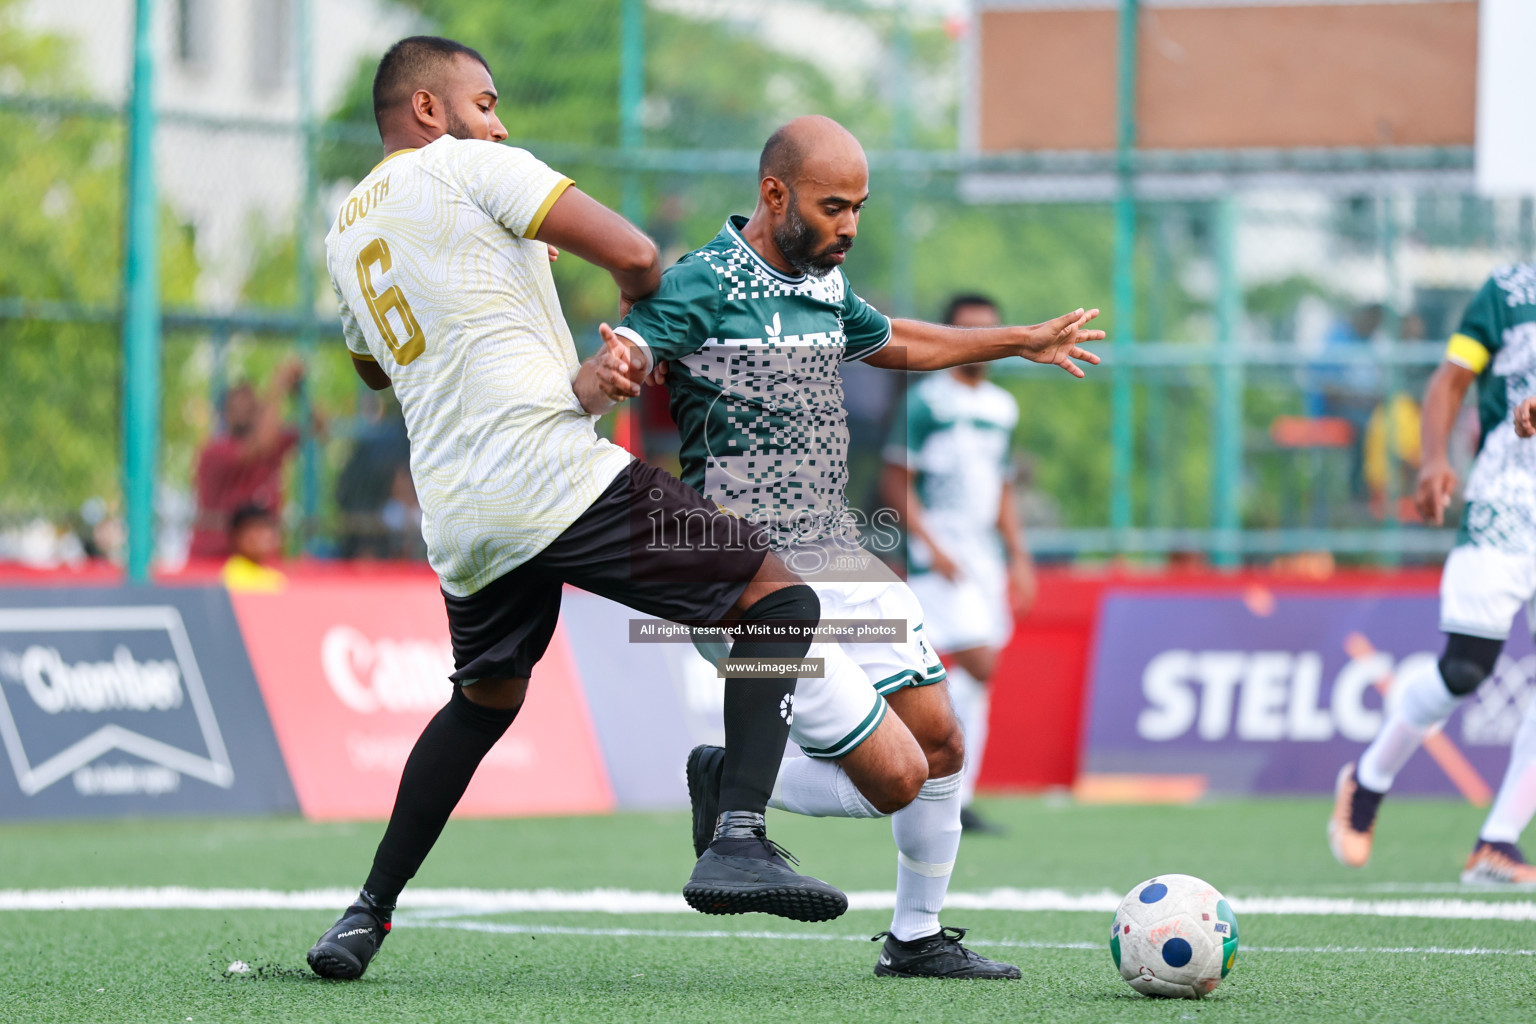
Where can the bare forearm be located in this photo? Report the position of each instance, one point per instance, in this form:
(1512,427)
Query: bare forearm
(925,346)
(635,285)
(1442,401)
(1009,526)
(897,492)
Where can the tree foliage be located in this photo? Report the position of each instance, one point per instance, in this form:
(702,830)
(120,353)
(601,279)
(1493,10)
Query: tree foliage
(62,221)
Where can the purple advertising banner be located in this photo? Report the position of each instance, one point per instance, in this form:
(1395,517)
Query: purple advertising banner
(1272,693)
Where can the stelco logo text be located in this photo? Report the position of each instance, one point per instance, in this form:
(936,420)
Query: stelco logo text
(1262,695)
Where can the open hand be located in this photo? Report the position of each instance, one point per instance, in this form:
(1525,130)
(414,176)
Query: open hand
(1525,418)
(944,565)
(1060,341)
(1437,482)
(619,371)
(1022,586)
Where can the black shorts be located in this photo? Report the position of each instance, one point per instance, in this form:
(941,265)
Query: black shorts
(649,541)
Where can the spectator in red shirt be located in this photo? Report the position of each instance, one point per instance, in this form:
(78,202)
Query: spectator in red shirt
(243,466)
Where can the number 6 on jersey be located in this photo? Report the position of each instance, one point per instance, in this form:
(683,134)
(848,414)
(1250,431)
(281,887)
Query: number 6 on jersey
(391,298)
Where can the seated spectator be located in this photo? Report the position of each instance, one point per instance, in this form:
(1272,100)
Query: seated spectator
(254,542)
(243,465)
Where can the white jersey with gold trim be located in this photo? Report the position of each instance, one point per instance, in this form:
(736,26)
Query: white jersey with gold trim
(438,282)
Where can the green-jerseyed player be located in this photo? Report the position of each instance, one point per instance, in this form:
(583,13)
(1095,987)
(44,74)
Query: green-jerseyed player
(753,329)
(1487,577)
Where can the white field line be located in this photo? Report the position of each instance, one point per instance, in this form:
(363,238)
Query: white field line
(624,901)
(659,933)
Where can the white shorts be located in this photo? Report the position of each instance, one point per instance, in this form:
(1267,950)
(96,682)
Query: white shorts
(834,714)
(1482,589)
(969,612)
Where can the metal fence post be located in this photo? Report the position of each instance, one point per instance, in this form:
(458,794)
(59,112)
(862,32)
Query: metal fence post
(1123,435)
(304,262)
(631,96)
(141,307)
(902,283)
(1228,439)
(1391,378)
(1155,383)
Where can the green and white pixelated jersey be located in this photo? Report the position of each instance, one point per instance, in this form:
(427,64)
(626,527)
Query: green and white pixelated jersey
(1497,341)
(954,438)
(438,282)
(754,357)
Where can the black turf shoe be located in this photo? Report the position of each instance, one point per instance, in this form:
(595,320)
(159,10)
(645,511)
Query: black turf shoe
(744,872)
(974,824)
(937,956)
(704,765)
(344,950)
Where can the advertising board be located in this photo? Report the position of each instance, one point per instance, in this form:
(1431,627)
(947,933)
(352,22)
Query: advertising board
(353,672)
(1273,695)
(119,701)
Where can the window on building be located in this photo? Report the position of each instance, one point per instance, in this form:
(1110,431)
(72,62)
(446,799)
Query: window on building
(271,43)
(194,32)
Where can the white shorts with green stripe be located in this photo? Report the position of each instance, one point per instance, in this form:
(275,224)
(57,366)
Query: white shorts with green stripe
(836,713)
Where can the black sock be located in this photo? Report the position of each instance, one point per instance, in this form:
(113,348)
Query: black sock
(436,774)
(1364,806)
(757,709)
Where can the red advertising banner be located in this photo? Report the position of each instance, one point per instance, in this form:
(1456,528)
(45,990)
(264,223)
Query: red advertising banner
(352,671)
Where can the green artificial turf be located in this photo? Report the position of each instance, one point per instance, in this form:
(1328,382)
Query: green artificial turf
(162,965)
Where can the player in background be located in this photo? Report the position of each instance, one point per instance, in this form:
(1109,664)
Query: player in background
(1488,576)
(441,269)
(949,469)
(752,329)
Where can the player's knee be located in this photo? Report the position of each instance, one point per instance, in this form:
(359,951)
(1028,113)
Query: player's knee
(795,603)
(1461,675)
(1467,661)
(980,662)
(496,694)
(947,757)
(900,787)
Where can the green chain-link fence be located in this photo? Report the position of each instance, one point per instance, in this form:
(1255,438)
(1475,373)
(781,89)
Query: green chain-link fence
(1288,306)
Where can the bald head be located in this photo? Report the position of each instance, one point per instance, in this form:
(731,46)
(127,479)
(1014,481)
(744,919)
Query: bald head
(810,145)
(812,183)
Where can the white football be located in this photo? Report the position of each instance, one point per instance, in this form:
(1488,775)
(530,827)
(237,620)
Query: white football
(1174,935)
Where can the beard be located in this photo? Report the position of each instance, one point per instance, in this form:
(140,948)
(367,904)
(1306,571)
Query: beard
(457,128)
(798,243)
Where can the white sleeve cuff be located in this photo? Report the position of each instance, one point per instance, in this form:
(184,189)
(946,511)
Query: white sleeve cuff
(629,334)
(890,330)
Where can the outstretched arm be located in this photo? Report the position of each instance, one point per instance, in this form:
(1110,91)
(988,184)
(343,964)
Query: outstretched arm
(579,224)
(922,346)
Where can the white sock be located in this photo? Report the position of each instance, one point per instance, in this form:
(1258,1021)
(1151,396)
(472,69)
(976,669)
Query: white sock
(808,785)
(927,835)
(973,703)
(1420,703)
(1516,801)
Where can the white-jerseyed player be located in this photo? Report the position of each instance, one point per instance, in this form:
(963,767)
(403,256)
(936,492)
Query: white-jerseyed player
(441,270)
(949,468)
